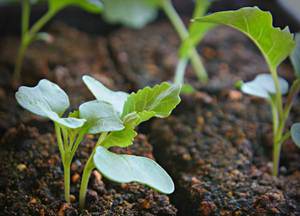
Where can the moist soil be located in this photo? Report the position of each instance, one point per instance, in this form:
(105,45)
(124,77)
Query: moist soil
(216,146)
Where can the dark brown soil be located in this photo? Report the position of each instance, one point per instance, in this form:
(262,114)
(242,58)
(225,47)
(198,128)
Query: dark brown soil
(218,148)
(32,184)
(217,145)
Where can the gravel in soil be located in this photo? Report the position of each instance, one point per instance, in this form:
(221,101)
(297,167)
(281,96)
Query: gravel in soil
(31,180)
(217,148)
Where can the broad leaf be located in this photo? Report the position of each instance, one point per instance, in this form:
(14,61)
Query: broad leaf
(274,43)
(121,138)
(92,6)
(48,100)
(295,133)
(263,86)
(158,101)
(100,116)
(131,13)
(127,168)
(116,98)
(295,56)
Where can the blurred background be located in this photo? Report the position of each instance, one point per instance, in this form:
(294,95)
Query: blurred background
(285,12)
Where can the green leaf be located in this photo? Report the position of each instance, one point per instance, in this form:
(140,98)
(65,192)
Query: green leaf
(263,86)
(187,89)
(274,43)
(100,116)
(131,13)
(295,133)
(115,98)
(92,6)
(295,56)
(128,168)
(48,100)
(121,138)
(158,101)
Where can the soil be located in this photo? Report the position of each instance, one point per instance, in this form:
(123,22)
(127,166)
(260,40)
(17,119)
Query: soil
(216,146)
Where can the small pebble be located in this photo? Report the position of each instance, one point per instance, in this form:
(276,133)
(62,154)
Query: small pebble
(72,198)
(75,178)
(21,167)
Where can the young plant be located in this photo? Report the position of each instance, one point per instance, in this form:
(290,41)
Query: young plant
(30,34)
(137,13)
(132,109)
(275,45)
(50,101)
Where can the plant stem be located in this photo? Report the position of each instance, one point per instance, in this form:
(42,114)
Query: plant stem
(179,75)
(28,36)
(88,168)
(67,174)
(183,34)
(276,156)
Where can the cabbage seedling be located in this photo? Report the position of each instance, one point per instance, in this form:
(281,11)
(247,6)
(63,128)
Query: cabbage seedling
(275,45)
(30,34)
(49,100)
(137,13)
(132,109)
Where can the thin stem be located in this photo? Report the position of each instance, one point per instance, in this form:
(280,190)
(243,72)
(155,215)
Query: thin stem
(28,36)
(88,168)
(67,175)
(276,157)
(183,34)
(60,141)
(179,75)
(25,16)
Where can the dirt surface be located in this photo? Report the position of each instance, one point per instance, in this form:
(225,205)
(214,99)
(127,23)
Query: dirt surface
(218,148)
(217,145)
(31,180)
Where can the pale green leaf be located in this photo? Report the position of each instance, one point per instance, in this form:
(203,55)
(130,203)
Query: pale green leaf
(295,56)
(128,168)
(92,6)
(48,100)
(295,133)
(131,13)
(115,98)
(100,116)
(263,86)
(121,138)
(158,101)
(274,43)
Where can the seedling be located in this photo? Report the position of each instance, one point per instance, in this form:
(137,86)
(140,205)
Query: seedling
(30,34)
(275,45)
(132,109)
(114,117)
(137,13)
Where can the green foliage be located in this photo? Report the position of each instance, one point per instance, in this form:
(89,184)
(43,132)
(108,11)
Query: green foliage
(123,168)
(295,56)
(274,43)
(115,98)
(132,13)
(263,86)
(295,132)
(92,6)
(48,100)
(100,117)
(157,101)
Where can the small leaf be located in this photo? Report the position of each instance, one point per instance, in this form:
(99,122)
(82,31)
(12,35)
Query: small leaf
(274,43)
(295,132)
(127,168)
(92,6)
(131,13)
(187,89)
(115,98)
(295,56)
(263,86)
(121,138)
(48,100)
(158,101)
(100,116)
